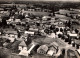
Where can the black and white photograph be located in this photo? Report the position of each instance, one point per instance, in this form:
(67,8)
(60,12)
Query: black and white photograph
(39,28)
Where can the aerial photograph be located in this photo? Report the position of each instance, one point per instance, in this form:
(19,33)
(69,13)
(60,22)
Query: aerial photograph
(39,28)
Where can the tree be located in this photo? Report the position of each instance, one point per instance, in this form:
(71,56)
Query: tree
(21,17)
(4,18)
(69,23)
(28,40)
(52,27)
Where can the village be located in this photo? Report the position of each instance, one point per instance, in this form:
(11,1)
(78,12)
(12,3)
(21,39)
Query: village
(31,31)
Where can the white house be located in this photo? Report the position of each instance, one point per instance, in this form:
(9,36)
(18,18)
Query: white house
(24,49)
(29,32)
(11,33)
(50,52)
(33,29)
(72,34)
(45,17)
(17,20)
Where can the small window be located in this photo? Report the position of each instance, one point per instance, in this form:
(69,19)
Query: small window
(20,48)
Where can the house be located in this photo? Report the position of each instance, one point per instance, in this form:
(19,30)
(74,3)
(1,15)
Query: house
(5,13)
(17,20)
(51,51)
(42,49)
(9,38)
(30,9)
(26,15)
(26,49)
(9,21)
(54,49)
(72,34)
(22,46)
(54,44)
(29,32)
(46,17)
(11,33)
(33,29)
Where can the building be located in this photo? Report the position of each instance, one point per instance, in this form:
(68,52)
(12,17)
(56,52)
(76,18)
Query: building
(26,49)
(23,48)
(46,18)
(11,33)
(77,44)
(17,20)
(51,51)
(29,32)
(38,13)
(42,49)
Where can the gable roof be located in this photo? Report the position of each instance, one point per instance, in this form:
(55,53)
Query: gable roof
(22,44)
